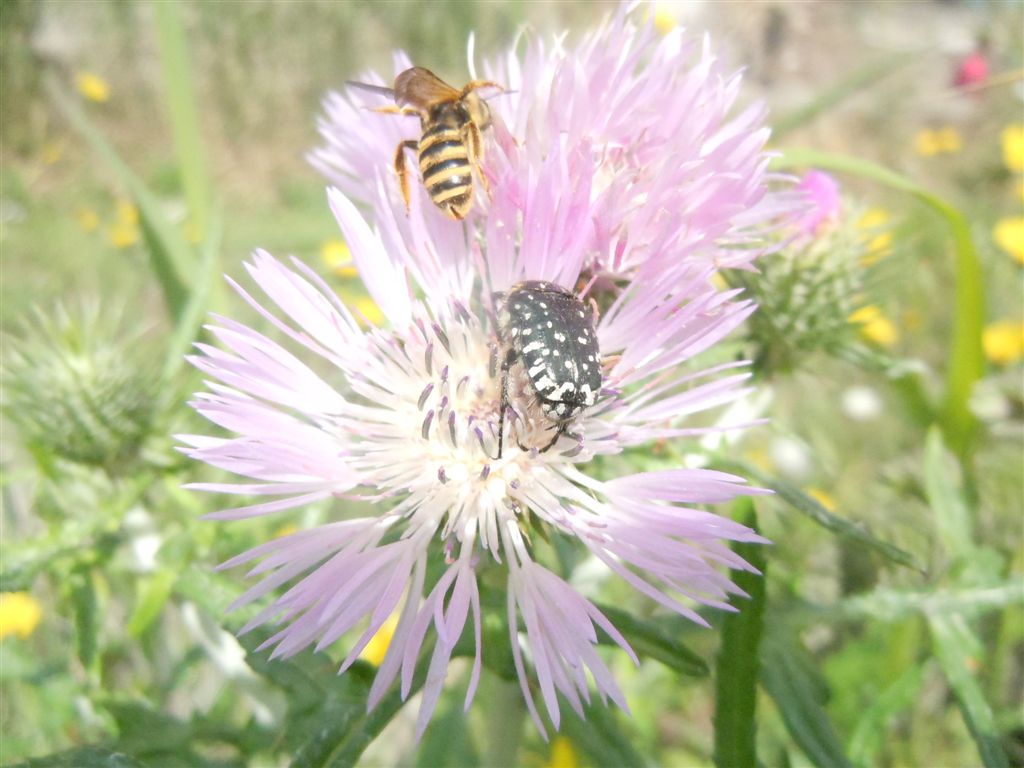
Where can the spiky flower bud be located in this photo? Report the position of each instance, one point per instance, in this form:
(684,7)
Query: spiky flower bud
(76,391)
(809,292)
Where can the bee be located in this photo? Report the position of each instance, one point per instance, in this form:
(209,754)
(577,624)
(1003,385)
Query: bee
(552,334)
(450,148)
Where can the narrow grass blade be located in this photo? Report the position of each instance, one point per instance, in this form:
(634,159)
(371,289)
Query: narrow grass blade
(958,649)
(153,593)
(799,695)
(737,663)
(181,104)
(189,322)
(966,362)
(170,256)
(952,517)
(816,512)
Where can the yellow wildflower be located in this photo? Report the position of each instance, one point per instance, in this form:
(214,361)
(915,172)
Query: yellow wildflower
(336,257)
(93,87)
(367,309)
(124,232)
(1009,235)
(949,140)
(127,213)
(930,142)
(563,754)
(877,238)
(19,614)
(123,235)
(378,646)
(1003,341)
(822,497)
(1012,139)
(665,17)
(875,326)
(87,219)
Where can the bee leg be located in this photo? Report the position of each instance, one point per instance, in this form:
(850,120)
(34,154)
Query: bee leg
(403,179)
(391,109)
(473,85)
(475,146)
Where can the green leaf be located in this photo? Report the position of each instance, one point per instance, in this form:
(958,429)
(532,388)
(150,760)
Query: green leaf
(894,605)
(447,740)
(966,362)
(952,518)
(652,641)
(957,649)
(870,733)
(181,103)
(367,727)
(834,95)
(335,722)
(800,694)
(87,620)
(144,730)
(598,735)
(153,593)
(83,757)
(816,512)
(736,666)
(170,256)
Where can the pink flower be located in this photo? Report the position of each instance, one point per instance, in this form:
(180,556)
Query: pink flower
(973,69)
(821,192)
(647,122)
(405,415)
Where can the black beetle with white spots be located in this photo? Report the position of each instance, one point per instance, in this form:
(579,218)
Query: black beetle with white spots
(551,333)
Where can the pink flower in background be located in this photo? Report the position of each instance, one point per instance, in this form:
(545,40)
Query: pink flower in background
(593,170)
(647,121)
(821,193)
(972,69)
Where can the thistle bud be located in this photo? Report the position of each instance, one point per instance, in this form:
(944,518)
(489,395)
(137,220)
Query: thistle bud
(75,391)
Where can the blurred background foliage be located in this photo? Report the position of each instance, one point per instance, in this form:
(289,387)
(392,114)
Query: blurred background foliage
(149,147)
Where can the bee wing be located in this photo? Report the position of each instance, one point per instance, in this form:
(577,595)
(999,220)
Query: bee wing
(421,88)
(381,89)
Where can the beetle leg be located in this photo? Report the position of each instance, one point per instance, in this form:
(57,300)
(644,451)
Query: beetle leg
(506,366)
(562,427)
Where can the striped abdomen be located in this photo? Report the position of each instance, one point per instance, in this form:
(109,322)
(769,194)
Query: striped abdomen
(444,163)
